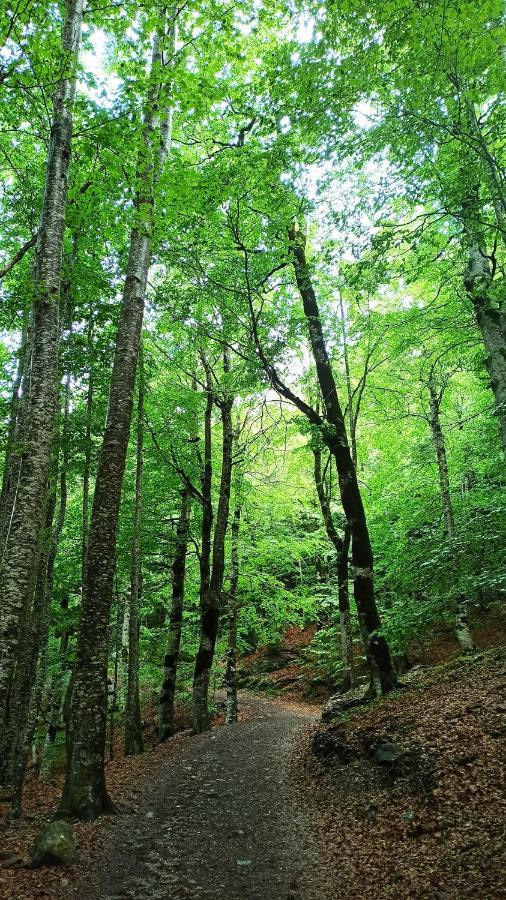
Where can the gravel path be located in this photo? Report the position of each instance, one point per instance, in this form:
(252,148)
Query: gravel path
(220,821)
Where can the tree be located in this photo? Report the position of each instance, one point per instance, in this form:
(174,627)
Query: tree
(22,537)
(85,793)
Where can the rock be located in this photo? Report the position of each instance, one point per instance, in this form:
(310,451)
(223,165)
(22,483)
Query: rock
(386,754)
(55,845)
(340,703)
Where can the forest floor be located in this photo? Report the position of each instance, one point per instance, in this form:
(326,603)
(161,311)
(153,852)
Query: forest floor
(430,823)
(283,807)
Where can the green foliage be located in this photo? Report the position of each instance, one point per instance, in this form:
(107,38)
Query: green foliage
(362,126)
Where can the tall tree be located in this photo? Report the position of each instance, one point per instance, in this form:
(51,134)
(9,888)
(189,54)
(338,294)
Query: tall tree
(19,564)
(337,441)
(210,598)
(85,793)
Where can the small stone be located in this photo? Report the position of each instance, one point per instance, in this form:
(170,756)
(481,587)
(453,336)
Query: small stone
(243,862)
(54,845)
(386,754)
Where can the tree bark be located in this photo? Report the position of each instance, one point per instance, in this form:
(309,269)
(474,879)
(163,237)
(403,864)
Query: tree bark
(167,694)
(87,448)
(19,565)
(199,699)
(12,451)
(211,599)
(134,743)
(85,794)
(335,437)
(341,546)
(230,672)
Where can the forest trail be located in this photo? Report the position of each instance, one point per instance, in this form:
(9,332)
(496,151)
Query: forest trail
(220,820)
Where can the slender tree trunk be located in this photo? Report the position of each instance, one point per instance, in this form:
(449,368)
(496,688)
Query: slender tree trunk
(442,464)
(341,547)
(134,743)
(85,794)
(351,412)
(462,630)
(211,600)
(337,442)
(19,567)
(199,699)
(167,694)
(56,694)
(230,672)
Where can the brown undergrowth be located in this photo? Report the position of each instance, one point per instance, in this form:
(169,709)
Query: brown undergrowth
(432,822)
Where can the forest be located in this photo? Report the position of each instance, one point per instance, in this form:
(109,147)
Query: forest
(252,430)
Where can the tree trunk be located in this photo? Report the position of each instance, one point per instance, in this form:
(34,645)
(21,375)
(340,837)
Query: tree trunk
(211,599)
(489,308)
(19,567)
(13,732)
(88,446)
(341,547)
(134,743)
(336,439)
(462,630)
(199,699)
(167,694)
(442,464)
(12,455)
(230,672)
(85,794)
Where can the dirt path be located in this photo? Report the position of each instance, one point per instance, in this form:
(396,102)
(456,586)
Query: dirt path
(220,821)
